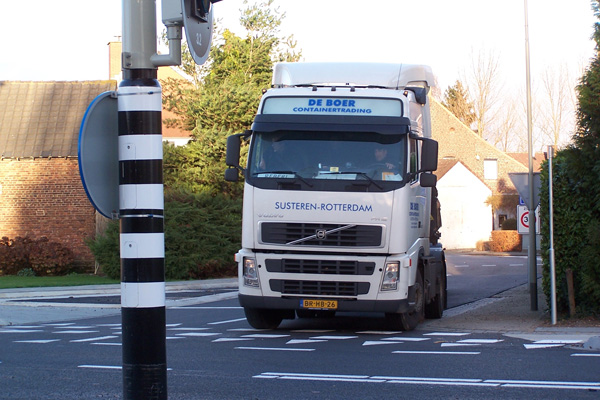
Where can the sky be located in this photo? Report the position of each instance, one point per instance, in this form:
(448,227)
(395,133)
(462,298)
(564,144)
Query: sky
(67,39)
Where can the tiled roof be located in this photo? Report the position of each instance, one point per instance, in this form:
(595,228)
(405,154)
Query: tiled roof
(42,119)
(459,142)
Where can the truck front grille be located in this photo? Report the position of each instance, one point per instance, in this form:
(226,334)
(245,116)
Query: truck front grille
(319,288)
(330,267)
(312,234)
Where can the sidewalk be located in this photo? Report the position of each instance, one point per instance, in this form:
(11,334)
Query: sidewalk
(15,309)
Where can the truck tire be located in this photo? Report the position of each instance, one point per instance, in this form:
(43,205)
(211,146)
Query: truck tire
(259,318)
(435,309)
(408,321)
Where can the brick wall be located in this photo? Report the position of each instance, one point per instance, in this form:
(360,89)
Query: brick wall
(45,197)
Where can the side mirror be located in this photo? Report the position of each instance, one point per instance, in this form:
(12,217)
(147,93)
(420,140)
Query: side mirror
(428,180)
(429,155)
(232,174)
(232,157)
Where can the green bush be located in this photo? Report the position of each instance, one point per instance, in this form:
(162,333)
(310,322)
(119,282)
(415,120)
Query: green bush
(576,234)
(202,233)
(105,248)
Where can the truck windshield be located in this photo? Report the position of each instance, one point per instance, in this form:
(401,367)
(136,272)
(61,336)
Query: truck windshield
(311,156)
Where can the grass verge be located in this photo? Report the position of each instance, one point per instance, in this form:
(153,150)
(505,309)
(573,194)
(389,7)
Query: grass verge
(12,281)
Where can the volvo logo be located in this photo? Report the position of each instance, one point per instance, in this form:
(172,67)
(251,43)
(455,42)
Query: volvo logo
(321,234)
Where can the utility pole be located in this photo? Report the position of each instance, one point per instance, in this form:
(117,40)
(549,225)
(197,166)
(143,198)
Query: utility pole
(532,254)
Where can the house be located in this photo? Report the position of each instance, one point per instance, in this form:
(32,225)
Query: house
(41,193)
(471,174)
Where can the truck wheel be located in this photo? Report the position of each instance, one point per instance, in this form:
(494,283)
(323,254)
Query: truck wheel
(408,321)
(260,318)
(435,309)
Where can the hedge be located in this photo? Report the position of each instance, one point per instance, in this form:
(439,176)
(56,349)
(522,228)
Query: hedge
(202,234)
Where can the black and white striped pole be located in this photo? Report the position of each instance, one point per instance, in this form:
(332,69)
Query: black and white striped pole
(141,203)
(141,195)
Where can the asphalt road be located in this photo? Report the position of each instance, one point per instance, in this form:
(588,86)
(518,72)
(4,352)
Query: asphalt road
(214,354)
(474,277)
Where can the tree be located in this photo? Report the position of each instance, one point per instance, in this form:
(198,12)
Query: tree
(456,100)
(223,97)
(557,89)
(484,88)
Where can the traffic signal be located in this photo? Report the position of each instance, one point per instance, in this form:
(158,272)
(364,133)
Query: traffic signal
(201,8)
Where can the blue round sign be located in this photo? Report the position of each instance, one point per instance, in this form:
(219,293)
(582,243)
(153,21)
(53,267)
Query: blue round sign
(98,154)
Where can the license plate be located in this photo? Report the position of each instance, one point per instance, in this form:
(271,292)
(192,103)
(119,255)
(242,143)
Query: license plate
(319,304)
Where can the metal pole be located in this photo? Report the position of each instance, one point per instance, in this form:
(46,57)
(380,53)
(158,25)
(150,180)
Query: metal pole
(532,256)
(551,250)
(141,208)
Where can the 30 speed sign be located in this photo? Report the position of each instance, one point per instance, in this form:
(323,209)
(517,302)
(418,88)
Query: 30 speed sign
(523,220)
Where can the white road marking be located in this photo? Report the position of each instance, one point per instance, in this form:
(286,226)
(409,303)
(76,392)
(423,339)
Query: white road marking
(529,346)
(333,337)
(380,332)
(457,353)
(21,330)
(407,339)
(92,339)
(75,332)
(227,322)
(272,349)
(516,265)
(116,367)
(585,355)
(107,344)
(199,334)
(558,341)
(230,340)
(101,366)
(378,342)
(41,341)
(188,329)
(304,341)
(265,336)
(460,344)
(433,381)
(481,341)
(446,334)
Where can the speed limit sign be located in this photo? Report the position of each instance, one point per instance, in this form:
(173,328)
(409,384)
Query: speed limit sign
(523,220)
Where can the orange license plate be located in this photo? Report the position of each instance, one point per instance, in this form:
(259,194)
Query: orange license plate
(319,304)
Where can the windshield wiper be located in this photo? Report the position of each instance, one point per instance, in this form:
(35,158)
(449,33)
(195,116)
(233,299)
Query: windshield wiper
(364,174)
(296,175)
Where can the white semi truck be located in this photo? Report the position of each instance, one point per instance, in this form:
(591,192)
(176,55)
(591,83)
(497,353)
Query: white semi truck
(340,212)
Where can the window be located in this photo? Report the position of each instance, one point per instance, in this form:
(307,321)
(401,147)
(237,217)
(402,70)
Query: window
(490,169)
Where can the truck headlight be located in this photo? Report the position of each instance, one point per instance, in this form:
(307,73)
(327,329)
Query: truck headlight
(390,276)
(250,272)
